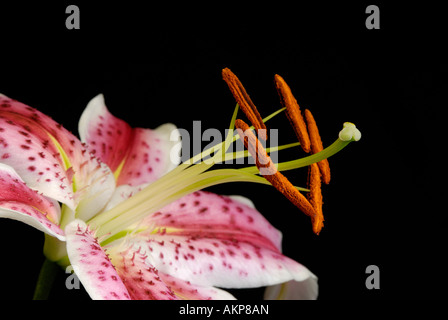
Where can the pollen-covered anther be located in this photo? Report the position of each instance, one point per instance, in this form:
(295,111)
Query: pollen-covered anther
(256,150)
(245,102)
(316,146)
(268,169)
(315,197)
(293,112)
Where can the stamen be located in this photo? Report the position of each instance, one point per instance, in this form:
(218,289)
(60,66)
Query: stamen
(293,112)
(316,145)
(256,150)
(269,170)
(244,101)
(315,197)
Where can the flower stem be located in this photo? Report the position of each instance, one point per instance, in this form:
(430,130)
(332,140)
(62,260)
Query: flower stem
(45,280)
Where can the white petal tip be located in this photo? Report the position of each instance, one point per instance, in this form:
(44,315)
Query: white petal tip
(98,98)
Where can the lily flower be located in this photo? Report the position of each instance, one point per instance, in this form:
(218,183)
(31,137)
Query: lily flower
(133,223)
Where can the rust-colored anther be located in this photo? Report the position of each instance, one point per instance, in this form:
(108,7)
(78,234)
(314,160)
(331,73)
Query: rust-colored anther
(270,172)
(244,101)
(316,146)
(293,112)
(315,197)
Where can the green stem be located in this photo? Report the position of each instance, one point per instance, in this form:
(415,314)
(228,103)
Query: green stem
(45,280)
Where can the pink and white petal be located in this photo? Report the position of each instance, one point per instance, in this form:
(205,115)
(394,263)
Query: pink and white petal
(205,214)
(220,263)
(19,202)
(149,156)
(141,280)
(107,136)
(30,216)
(187,291)
(137,156)
(293,290)
(170,146)
(47,156)
(92,265)
(26,145)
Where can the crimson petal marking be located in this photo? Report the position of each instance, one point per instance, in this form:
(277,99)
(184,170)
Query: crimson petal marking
(19,202)
(220,263)
(142,280)
(92,265)
(137,155)
(205,214)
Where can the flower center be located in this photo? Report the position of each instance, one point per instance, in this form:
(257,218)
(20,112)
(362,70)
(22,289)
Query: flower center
(196,173)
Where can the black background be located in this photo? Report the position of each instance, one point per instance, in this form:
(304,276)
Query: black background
(156,64)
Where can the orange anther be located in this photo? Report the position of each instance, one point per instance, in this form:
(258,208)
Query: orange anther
(316,146)
(293,112)
(315,197)
(244,101)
